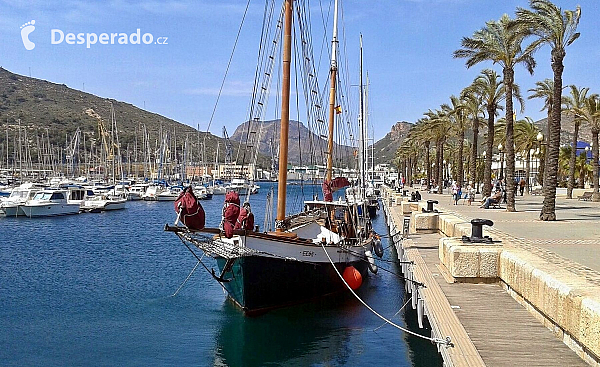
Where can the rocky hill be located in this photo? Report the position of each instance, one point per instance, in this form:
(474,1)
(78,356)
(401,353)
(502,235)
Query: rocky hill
(56,111)
(304,147)
(385,149)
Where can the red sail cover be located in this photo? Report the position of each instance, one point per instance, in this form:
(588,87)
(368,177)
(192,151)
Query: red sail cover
(231,211)
(330,187)
(245,220)
(191,213)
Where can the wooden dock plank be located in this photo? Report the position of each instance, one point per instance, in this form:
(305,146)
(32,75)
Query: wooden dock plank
(487,326)
(503,332)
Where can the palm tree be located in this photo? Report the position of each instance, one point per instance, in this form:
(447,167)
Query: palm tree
(421,134)
(583,169)
(457,113)
(440,128)
(574,103)
(551,26)
(526,141)
(473,105)
(545,91)
(591,113)
(491,91)
(499,43)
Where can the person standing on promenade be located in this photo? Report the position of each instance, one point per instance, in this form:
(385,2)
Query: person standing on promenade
(522,185)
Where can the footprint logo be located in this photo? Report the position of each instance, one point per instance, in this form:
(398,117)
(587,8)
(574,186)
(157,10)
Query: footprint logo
(26,30)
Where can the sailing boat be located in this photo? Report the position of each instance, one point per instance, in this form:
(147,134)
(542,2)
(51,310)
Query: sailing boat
(307,253)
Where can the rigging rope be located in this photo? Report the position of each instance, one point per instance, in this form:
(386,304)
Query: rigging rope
(237,37)
(446,342)
(188,277)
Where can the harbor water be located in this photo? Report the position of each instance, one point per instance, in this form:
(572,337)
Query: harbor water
(96,290)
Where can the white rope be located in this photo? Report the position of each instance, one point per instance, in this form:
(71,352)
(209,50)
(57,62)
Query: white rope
(446,342)
(188,277)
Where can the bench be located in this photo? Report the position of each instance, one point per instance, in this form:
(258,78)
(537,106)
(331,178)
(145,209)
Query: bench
(587,196)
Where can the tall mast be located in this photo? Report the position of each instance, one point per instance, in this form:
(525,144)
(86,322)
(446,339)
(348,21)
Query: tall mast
(285,113)
(361,117)
(333,74)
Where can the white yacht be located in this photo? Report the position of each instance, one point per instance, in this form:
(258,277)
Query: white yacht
(242,186)
(48,203)
(11,206)
(152,192)
(103,203)
(169,194)
(136,192)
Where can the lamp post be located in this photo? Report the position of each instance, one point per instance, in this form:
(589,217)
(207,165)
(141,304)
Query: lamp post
(500,147)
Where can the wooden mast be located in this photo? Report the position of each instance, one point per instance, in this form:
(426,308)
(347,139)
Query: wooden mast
(285,114)
(333,75)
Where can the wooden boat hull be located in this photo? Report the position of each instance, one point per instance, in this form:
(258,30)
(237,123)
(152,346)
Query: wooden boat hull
(260,283)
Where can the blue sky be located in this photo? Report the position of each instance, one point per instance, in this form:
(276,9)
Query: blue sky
(408,53)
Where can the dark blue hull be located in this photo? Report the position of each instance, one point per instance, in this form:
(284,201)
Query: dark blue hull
(259,283)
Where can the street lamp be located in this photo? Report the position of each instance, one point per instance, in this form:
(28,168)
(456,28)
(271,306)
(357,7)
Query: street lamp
(500,147)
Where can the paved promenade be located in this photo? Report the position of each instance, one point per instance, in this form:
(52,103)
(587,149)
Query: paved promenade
(574,236)
(552,269)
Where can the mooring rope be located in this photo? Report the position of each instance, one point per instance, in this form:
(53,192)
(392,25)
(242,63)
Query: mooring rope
(447,342)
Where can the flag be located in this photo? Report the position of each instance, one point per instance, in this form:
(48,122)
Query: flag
(338,109)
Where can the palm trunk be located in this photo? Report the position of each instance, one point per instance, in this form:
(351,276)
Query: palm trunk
(441,168)
(428,164)
(544,157)
(528,171)
(473,162)
(596,193)
(549,209)
(409,171)
(487,169)
(459,167)
(510,147)
(571,181)
(436,172)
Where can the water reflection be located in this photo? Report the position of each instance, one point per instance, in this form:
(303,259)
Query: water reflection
(308,334)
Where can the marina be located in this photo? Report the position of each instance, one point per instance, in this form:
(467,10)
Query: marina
(300,183)
(102,293)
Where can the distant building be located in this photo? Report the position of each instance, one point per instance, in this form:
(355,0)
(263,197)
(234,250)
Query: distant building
(229,171)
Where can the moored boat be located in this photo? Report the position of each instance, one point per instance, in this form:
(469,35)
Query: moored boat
(50,203)
(104,203)
(305,256)
(11,206)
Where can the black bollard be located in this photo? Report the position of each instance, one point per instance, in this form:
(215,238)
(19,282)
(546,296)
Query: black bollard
(430,206)
(477,231)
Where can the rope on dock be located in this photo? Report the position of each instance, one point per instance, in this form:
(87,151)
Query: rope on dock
(446,342)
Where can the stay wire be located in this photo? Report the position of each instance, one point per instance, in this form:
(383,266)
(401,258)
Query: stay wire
(237,37)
